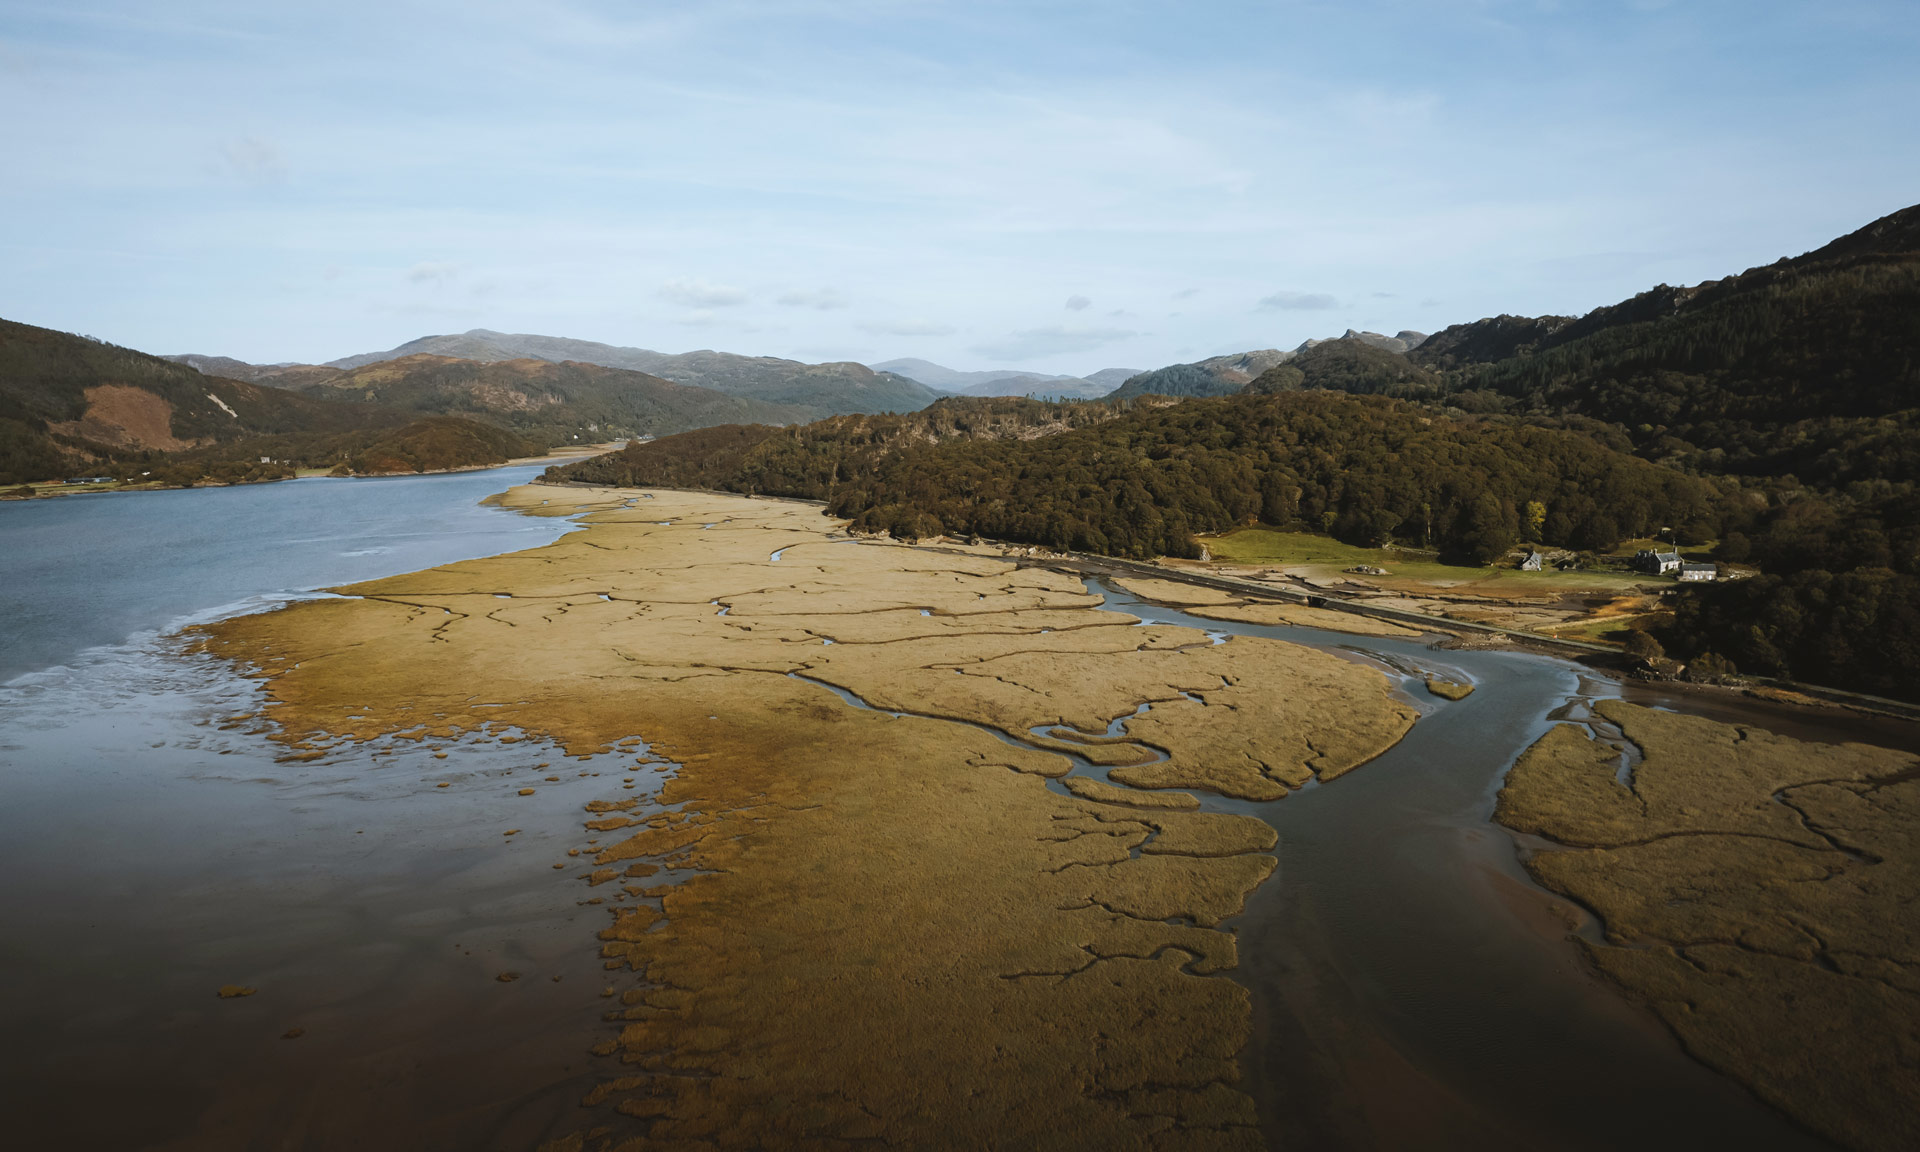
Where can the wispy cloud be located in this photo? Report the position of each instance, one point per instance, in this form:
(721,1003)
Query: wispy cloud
(1077,303)
(700,294)
(751,164)
(823,299)
(1055,341)
(1299,302)
(253,160)
(432,272)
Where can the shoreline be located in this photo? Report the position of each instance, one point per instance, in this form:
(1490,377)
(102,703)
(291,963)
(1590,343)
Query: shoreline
(46,490)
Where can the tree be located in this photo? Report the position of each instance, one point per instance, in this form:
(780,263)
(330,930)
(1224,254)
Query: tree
(1488,531)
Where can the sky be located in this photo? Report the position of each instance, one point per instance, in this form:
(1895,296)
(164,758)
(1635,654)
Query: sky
(1057,186)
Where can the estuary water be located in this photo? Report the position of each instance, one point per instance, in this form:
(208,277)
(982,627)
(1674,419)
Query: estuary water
(87,570)
(154,849)
(417,942)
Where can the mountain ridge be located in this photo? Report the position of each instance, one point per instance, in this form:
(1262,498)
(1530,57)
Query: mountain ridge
(831,388)
(546,401)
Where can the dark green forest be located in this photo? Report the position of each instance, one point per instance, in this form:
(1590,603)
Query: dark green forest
(1177,380)
(1349,365)
(1141,480)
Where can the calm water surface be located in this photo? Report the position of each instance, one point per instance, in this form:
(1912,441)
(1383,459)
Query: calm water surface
(82,571)
(1412,988)
(153,850)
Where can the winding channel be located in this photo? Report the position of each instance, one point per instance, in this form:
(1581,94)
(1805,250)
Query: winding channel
(1412,986)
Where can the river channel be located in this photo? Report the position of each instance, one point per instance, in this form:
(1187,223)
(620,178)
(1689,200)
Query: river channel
(1412,987)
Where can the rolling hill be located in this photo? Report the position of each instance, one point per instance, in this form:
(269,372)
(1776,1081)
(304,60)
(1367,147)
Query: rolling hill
(1348,364)
(1226,375)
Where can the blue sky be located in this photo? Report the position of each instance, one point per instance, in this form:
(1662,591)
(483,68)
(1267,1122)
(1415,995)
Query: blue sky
(1063,186)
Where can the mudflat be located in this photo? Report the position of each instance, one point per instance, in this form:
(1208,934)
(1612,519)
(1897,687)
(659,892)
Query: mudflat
(885,922)
(1757,891)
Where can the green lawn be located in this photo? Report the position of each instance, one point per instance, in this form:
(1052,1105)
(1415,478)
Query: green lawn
(1271,548)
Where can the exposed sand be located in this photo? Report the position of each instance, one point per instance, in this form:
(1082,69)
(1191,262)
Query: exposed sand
(895,929)
(1759,892)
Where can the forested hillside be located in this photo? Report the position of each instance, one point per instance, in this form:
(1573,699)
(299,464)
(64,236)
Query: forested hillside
(1348,365)
(1808,367)
(1802,379)
(433,444)
(1142,479)
(1218,376)
(69,403)
(1838,600)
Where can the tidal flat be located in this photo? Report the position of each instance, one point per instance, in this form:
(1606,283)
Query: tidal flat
(887,851)
(1756,890)
(890,921)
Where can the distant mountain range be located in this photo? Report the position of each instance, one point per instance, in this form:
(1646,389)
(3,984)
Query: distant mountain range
(547,402)
(1009,382)
(815,390)
(71,405)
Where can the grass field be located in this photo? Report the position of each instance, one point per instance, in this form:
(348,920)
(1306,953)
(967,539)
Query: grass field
(1410,572)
